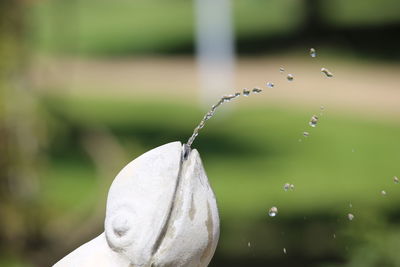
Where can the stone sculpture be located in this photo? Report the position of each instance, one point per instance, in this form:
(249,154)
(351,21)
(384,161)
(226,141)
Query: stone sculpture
(161,211)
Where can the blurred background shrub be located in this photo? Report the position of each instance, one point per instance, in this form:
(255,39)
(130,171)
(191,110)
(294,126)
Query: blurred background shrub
(88,85)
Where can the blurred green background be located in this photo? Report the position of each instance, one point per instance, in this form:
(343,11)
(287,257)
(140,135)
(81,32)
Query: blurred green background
(88,85)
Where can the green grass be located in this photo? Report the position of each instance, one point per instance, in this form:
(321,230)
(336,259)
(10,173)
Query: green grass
(7,260)
(249,153)
(361,13)
(100,27)
(69,184)
(255,150)
(123,27)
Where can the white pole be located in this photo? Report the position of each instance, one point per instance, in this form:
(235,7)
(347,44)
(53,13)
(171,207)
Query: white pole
(215,48)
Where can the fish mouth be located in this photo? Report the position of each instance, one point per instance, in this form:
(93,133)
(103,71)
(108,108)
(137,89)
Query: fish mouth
(188,156)
(185,151)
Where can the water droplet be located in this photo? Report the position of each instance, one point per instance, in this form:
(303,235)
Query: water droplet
(286,186)
(395,180)
(350,216)
(334,236)
(270,85)
(290,77)
(257,90)
(313,121)
(226,99)
(201,125)
(327,72)
(248,244)
(284,250)
(306,134)
(273,211)
(210,113)
(383,192)
(313,52)
(246,92)
(281,69)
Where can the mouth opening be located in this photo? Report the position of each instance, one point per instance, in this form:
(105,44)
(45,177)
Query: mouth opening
(185,151)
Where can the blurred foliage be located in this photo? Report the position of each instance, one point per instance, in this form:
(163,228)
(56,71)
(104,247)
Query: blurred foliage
(359,12)
(144,26)
(248,168)
(54,181)
(123,27)
(266,18)
(104,27)
(20,139)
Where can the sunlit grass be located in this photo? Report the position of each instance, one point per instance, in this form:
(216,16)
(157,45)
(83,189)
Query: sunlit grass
(99,27)
(249,154)
(359,12)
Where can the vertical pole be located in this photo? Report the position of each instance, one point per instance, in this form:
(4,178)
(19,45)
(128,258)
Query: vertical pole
(215,48)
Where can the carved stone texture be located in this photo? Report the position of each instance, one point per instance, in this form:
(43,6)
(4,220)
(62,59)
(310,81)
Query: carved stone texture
(161,211)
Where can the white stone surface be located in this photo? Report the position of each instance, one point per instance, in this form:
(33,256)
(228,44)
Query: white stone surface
(161,211)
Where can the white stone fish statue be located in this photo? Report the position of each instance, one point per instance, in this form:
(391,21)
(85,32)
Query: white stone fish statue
(161,212)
